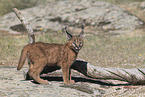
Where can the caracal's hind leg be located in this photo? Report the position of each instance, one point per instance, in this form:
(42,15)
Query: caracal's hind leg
(35,71)
(26,74)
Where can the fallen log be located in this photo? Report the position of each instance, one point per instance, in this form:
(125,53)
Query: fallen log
(132,76)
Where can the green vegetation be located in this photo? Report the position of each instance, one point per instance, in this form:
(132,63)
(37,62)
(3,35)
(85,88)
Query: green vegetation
(125,50)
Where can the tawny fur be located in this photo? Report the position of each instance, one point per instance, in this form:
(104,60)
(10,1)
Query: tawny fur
(40,54)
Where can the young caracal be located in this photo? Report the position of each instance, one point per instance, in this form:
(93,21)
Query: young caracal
(40,54)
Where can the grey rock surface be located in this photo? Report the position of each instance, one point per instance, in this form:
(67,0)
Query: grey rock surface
(142,5)
(55,15)
(12,84)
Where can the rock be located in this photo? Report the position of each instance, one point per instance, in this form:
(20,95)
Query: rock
(142,5)
(55,15)
(12,84)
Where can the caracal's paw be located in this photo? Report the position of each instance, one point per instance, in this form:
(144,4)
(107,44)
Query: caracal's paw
(69,82)
(26,75)
(72,82)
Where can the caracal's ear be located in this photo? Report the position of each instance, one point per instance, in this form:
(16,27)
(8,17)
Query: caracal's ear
(81,33)
(69,36)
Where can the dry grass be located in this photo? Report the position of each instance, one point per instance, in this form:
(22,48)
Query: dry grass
(126,50)
(11,45)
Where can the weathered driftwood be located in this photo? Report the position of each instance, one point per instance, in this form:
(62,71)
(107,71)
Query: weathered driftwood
(25,24)
(132,76)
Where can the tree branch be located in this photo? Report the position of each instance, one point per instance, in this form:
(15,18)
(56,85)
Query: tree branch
(26,25)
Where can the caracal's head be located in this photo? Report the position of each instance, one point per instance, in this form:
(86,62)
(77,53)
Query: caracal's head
(75,42)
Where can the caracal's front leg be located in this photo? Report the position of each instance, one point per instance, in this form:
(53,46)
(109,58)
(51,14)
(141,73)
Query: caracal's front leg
(70,80)
(65,72)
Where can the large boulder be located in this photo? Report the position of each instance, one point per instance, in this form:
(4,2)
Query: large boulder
(55,15)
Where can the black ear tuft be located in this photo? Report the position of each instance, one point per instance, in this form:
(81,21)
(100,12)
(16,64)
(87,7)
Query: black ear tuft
(69,36)
(82,32)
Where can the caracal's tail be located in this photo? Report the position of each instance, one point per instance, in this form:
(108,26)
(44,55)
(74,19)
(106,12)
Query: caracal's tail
(23,57)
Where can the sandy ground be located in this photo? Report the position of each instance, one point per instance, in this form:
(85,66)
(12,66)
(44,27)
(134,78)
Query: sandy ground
(12,84)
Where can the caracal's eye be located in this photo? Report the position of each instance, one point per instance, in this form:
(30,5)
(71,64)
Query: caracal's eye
(81,44)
